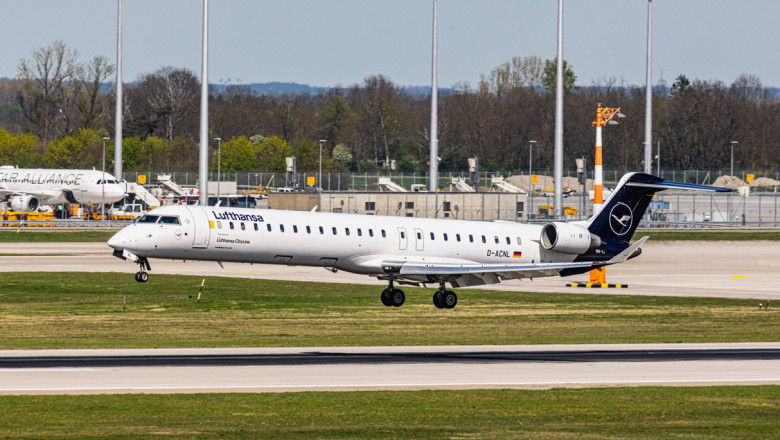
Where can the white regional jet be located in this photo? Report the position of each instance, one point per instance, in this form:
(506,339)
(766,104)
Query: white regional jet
(25,189)
(401,250)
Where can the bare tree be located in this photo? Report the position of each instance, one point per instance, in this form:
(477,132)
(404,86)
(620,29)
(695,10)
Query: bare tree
(49,89)
(92,101)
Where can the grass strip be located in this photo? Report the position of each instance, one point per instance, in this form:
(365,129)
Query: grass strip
(87,310)
(592,413)
(28,236)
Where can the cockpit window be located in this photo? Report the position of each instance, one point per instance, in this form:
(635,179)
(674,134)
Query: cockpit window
(149,219)
(171,220)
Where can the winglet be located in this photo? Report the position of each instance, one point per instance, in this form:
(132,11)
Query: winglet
(626,254)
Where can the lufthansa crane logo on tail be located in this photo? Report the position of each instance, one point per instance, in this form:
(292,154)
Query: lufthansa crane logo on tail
(621,217)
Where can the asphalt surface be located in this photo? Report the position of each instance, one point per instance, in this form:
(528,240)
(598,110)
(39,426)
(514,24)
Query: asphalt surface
(711,269)
(384,368)
(739,269)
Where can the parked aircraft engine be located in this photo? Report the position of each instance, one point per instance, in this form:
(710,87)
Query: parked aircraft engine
(568,238)
(24,203)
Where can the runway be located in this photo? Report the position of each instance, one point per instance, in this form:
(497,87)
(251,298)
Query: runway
(745,269)
(384,368)
(711,269)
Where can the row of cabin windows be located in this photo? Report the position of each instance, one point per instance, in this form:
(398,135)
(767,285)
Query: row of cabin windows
(334,230)
(359,231)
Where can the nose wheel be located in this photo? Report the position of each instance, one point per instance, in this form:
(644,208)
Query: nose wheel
(142,276)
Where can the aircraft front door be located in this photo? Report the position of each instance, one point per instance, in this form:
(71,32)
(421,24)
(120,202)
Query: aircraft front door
(419,239)
(201,227)
(402,239)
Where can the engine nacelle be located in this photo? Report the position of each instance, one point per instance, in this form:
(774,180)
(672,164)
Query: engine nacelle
(568,238)
(24,203)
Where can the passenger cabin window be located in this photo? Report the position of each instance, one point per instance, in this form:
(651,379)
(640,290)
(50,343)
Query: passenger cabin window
(149,219)
(370,232)
(445,236)
(219,224)
(243,226)
(403,234)
(432,236)
(360,233)
(268,226)
(419,236)
(519,241)
(295,229)
(256,227)
(484,240)
(471,238)
(308,229)
(346,231)
(508,241)
(495,239)
(322,231)
(457,237)
(281,228)
(169,220)
(383,233)
(231,225)
(334,230)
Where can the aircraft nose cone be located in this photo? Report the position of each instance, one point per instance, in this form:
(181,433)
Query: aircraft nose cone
(119,240)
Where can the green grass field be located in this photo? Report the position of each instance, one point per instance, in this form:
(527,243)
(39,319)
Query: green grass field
(594,413)
(85,310)
(12,235)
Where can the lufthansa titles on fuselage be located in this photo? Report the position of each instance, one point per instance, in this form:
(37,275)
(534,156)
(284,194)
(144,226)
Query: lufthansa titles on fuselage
(230,215)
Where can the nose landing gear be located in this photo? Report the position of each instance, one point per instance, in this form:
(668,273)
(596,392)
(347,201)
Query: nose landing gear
(142,276)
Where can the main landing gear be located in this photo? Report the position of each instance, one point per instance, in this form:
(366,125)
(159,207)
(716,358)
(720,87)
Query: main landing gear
(392,297)
(142,276)
(444,299)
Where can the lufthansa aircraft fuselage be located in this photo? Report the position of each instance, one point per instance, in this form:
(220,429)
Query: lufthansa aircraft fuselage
(403,250)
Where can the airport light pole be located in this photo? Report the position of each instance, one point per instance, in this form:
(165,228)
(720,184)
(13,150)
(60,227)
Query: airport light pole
(103,184)
(732,175)
(319,177)
(219,164)
(530,171)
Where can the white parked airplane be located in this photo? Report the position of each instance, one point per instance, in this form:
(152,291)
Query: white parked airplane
(400,250)
(25,189)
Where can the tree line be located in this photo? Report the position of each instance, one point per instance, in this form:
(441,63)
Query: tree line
(57,111)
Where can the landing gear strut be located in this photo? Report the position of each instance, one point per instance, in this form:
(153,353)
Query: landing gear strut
(142,276)
(392,297)
(444,299)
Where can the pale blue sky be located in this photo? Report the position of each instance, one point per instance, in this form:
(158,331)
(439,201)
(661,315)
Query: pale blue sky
(340,42)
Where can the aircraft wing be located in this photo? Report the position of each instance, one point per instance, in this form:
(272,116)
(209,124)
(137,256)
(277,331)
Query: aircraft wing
(462,275)
(43,194)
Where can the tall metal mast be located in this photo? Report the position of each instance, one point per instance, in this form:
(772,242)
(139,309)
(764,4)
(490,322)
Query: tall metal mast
(119,106)
(203,160)
(649,93)
(558,165)
(434,168)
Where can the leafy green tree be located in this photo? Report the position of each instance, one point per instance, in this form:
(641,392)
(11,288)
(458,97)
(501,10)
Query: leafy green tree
(20,150)
(238,155)
(270,154)
(680,85)
(551,73)
(78,150)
